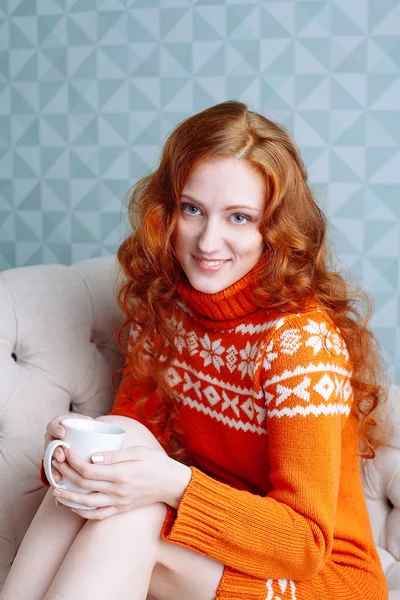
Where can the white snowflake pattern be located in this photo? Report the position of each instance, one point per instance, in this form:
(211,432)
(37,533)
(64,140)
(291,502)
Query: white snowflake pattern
(212,352)
(320,336)
(248,356)
(340,345)
(289,341)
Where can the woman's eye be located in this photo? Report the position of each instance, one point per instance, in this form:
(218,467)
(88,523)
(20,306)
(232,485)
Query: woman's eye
(190,209)
(239,219)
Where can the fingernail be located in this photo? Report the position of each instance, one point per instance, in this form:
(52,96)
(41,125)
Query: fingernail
(59,430)
(56,493)
(54,463)
(97,458)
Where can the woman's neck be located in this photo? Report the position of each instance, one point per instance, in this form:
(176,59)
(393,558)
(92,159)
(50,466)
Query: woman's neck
(235,301)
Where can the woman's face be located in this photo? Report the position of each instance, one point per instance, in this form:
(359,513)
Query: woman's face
(217,240)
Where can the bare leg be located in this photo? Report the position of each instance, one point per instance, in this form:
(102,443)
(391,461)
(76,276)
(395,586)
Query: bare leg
(112,559)
(42,551)
(117,558)
(181,573)
(123,558)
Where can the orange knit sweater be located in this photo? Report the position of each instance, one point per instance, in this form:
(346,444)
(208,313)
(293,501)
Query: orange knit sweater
(275,493)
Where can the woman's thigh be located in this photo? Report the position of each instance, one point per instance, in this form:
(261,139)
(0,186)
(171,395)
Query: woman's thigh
(178,572)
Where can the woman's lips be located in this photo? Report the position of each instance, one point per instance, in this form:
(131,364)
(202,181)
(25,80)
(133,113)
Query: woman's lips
(210,265)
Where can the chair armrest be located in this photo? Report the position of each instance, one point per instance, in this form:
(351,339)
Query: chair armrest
(381,480)
(57,353)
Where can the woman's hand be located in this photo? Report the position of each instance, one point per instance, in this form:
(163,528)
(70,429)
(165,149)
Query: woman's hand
(125,480)
(55,431)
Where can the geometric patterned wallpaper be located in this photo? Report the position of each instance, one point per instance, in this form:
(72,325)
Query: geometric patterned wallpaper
(89,89)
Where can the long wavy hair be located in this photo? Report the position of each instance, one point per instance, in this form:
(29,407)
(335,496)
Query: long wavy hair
(299,263)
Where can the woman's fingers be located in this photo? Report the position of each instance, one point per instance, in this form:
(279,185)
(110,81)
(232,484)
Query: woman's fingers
(87,484)
(56,474)
(92,500)
(96,515)
(59,454)
(108,473)
(55,429)
(132,453)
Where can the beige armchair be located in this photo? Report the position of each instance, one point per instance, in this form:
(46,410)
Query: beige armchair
(58,352)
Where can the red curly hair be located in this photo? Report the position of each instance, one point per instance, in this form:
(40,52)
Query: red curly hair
(294,231)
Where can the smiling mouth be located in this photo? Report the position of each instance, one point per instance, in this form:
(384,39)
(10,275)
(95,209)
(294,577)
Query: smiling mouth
(210,265)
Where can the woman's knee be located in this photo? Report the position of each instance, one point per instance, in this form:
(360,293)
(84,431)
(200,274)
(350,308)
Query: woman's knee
(136,433)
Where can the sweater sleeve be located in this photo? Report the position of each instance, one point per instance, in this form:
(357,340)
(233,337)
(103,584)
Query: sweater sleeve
(288,534)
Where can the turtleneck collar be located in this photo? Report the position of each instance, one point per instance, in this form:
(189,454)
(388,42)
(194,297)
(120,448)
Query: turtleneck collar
(233,302)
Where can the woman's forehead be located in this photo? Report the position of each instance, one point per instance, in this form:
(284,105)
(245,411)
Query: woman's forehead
(228,181)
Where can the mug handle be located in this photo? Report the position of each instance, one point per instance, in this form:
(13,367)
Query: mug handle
(48,456)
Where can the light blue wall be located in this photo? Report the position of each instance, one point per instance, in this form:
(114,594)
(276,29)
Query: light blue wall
(90,89)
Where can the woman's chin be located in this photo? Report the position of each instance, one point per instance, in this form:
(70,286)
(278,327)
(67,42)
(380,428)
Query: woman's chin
(206,287)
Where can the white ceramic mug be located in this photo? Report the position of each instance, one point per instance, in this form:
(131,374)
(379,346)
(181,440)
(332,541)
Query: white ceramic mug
(85,437)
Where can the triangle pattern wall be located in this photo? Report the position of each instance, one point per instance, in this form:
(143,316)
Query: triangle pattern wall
(90,89)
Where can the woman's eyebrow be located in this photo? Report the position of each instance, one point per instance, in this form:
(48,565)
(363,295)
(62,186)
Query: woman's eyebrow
(233,207)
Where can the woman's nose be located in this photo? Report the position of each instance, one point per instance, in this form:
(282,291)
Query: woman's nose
(210,238)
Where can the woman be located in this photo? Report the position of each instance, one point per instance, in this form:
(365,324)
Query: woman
(254,382)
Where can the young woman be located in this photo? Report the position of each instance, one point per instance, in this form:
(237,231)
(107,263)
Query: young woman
(251,387)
